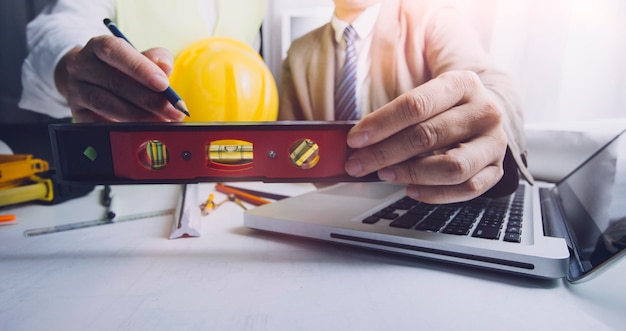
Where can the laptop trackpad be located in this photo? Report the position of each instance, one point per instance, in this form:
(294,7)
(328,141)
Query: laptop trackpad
(377,190)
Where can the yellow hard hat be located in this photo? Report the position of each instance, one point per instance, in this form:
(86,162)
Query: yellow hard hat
(223,79)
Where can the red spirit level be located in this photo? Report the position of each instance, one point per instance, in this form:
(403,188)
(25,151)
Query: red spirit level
(129,153)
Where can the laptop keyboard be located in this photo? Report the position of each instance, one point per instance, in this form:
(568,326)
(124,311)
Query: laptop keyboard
(495,219)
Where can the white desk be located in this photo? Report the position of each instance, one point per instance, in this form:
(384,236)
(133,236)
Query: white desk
(128,276)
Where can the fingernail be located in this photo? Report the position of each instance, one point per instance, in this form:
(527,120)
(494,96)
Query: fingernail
(353,167)
(387,175)
(358,139)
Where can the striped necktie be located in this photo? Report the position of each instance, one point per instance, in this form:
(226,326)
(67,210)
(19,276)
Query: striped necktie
(345,84)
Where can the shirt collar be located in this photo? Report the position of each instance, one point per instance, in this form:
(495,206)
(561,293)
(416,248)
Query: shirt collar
(363,25)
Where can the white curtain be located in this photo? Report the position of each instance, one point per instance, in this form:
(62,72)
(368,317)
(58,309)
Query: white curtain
(568,57)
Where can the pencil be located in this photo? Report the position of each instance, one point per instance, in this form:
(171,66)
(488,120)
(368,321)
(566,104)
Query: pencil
(257,193)
(247,197)
(7,218)
(169,93)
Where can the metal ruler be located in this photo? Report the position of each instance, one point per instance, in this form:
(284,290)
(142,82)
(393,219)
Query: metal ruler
(98,222)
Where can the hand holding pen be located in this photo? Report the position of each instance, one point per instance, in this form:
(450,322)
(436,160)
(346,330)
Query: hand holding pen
(169,93)
(108,80)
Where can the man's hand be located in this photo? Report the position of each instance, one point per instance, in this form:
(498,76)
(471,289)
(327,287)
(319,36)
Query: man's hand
(444,138)
(109,81)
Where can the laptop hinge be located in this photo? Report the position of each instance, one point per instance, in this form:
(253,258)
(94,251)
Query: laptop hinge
(553,219)
(554,225)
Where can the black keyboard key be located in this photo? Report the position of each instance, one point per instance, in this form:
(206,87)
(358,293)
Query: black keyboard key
(431,224)
(405,221)
(404,204)
(390,216)
(513,229)
(515,223)
(379,214)
(512,237)
(422,208)
(371,220)
(487,233)
(418,213)
(490,224)
(459,231)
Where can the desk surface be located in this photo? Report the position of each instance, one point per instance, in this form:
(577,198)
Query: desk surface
(130,276)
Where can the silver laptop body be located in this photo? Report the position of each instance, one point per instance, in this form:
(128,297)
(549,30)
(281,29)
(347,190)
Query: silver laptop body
(565,227)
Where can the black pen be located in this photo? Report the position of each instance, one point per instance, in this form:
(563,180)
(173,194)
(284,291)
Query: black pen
(169,93)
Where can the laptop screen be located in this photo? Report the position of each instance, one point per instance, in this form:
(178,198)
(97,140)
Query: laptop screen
(593,199)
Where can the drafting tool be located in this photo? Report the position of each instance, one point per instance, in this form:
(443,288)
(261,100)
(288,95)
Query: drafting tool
(234,198)
(127,153)
(207,207)
(98,222)
(187,221)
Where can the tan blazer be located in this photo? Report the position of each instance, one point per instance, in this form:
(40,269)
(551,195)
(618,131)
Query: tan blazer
(413,41)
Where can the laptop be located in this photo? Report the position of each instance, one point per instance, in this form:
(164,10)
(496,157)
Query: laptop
(573,229)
